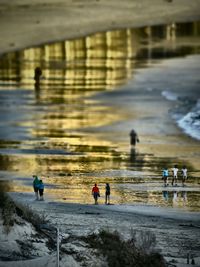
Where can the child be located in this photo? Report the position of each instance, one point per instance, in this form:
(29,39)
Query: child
(41,189)
(175,175)
(165,174)
(184,175)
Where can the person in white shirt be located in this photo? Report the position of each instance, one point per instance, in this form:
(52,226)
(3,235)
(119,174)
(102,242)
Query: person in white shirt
(184,175)
(175,175)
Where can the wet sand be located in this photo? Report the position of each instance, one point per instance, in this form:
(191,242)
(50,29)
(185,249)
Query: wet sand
(24,25)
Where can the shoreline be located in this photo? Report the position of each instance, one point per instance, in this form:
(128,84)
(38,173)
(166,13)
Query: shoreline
(47,22)
(143,210)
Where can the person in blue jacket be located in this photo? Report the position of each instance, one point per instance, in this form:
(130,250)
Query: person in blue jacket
(165,174)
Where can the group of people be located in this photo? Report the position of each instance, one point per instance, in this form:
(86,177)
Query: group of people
(96,194)
(38,188)
(175,171)
(38,185)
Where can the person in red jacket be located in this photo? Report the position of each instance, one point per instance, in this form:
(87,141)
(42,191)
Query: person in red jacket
(95,193)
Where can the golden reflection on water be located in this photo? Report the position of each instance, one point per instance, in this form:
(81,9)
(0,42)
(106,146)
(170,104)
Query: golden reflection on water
(98,62)
(50,134)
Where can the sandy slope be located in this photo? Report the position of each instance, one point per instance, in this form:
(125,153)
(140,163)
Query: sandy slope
(176,233)
(24,23)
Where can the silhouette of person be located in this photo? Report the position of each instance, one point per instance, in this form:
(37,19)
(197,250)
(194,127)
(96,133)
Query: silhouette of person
(38,74)
(107,194)
(36,182)
(133,137)
(41,189)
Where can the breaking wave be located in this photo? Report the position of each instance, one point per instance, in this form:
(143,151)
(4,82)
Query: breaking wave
(190,123)
(186,113)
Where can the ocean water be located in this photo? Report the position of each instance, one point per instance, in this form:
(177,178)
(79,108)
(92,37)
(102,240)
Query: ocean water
(190,122)
(72,129)
(187,102)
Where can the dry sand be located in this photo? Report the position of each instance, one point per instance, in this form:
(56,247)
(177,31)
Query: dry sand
(176,232)
(27,23)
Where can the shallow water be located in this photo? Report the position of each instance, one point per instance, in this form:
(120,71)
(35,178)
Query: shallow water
(73,128)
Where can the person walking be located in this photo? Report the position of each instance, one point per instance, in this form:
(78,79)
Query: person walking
(133,138)
(175,175)
(184,175)
(41,189)
(95,193)
(165,174)
(36,186)
(107,194)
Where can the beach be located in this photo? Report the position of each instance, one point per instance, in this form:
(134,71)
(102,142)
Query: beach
(100,79)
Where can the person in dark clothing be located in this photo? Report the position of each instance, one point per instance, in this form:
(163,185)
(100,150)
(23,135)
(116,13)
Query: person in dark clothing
(37,78)
(133,138)
(41,190)
(36,186)
(107,194)
(38,74)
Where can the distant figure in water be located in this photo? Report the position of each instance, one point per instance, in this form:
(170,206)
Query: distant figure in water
(184,175)
(175,175)
(165,174)
(38,74)
(36,182)
(37,77)
(107,194)
(41,189)
(95,193)
(133,138)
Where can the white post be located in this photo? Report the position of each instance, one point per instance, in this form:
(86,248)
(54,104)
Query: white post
(58,248)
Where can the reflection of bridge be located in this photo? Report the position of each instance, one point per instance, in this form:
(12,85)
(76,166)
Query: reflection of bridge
(97,62)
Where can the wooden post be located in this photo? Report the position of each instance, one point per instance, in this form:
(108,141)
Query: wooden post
(58,248)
